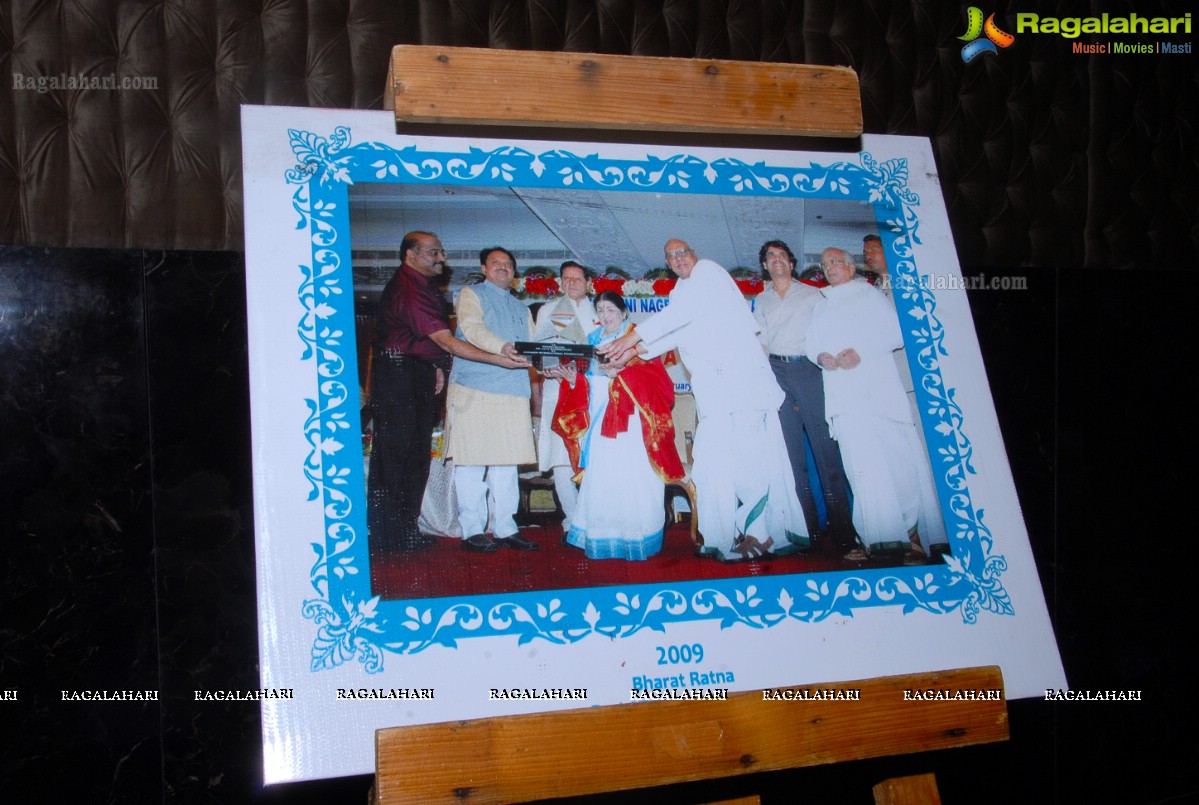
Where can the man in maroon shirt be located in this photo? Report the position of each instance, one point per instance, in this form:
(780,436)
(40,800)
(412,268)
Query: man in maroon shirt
(413,345)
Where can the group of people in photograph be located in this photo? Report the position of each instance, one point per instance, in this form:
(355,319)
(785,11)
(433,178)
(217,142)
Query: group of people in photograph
(804,406)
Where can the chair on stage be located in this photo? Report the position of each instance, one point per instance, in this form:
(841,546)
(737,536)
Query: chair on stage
(685,421)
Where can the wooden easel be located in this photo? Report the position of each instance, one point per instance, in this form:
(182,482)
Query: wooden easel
(580,752)
(619,748)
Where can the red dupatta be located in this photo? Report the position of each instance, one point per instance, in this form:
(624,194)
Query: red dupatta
(645,386)
(571,419)
(641,385)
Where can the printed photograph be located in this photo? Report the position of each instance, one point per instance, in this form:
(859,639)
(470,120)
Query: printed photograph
(799,447)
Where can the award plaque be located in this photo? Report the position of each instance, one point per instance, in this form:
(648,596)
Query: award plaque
(550,349)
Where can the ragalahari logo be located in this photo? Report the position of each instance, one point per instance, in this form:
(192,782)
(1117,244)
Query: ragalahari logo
(975,27)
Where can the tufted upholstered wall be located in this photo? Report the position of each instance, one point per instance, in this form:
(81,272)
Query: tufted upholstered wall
(1045,157)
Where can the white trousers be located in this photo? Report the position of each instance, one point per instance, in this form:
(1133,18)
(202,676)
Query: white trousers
(892,483)
(568,493)
(743,481)
(472,485)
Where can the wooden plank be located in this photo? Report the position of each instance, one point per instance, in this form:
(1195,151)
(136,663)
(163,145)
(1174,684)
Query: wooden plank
(481,86)
(578,752)
(919,789)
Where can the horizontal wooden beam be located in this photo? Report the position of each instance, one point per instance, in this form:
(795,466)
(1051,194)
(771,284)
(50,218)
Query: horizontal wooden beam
(480,86)
(579,752)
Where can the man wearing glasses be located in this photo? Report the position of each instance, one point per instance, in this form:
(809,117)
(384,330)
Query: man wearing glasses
(745,490)
(852,337)
(413,345)
(565,320)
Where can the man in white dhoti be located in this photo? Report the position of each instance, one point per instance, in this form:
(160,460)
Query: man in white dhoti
(853,333)
(489,427)
(745,488)
(565,320)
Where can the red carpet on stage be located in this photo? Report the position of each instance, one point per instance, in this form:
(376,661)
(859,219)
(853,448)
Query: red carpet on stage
(447,570)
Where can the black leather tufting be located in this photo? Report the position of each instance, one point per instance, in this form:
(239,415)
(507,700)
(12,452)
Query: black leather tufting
(1045,157)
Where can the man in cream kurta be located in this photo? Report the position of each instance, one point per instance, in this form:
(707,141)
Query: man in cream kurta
(490,429)
(565,320)
(744,483)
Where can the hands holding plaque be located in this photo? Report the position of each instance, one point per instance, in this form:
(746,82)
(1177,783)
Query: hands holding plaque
(566,353)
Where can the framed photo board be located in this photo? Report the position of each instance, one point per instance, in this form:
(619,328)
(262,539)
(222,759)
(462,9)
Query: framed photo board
(343,651)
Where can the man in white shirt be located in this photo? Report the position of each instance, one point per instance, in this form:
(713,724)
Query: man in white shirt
(783,312)
(745,487)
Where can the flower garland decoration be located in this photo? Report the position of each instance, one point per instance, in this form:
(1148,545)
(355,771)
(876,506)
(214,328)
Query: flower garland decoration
(548,287)
(542,286)
(751,286)
(601,284)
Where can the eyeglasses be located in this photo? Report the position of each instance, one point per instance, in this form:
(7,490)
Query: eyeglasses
(834,261)
(671,255)
(433,252)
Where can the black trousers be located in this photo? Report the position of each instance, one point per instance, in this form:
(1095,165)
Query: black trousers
(405,410)
(803,410)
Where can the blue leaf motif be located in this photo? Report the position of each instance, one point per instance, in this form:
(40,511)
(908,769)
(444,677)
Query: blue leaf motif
(785,600)
(970,584)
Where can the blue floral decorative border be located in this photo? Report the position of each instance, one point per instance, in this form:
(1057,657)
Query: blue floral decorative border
(354,625)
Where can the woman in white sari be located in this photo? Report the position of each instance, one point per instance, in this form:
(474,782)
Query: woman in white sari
(626,455)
